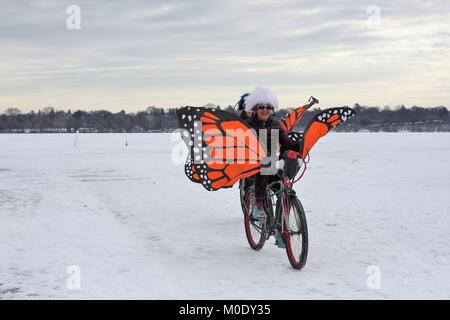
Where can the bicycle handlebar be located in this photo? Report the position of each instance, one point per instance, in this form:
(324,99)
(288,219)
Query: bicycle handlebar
(287,172)
(312,101)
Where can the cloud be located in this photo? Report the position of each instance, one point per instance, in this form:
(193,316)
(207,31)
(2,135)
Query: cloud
(137,53)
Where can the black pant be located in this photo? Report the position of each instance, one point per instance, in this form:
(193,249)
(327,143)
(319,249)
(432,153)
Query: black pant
(261,182)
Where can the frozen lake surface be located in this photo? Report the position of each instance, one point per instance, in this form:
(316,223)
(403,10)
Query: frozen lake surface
(136,227)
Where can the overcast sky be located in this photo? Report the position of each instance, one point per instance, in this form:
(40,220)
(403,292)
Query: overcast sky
(133,54)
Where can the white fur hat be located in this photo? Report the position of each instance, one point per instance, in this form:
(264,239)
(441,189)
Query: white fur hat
(261,96)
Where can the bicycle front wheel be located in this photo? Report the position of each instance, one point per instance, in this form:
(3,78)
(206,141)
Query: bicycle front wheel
(296,233)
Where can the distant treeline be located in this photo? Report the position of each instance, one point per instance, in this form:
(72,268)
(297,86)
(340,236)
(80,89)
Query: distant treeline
(155,119)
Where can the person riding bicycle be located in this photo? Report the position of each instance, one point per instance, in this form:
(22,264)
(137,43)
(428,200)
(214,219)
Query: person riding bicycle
(264,103)
(246,112)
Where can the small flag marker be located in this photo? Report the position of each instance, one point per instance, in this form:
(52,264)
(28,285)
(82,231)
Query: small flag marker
(75,143)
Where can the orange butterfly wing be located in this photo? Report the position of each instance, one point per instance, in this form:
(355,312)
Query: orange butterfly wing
(223,148)
(321,124)
(289,121)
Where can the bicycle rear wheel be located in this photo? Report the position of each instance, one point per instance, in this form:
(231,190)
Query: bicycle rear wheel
(296,233)
(254,229)
(242,194)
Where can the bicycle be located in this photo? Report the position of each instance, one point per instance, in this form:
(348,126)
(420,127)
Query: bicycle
(284,212)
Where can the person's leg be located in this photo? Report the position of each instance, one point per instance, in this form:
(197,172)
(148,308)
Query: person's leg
(248,182)
(260,189)
(276,186)
(260,186)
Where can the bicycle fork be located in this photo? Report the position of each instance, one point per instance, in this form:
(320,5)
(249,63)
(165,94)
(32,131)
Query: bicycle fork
(285,205)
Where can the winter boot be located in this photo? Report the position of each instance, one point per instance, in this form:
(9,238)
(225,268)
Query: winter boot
(279,241)
(258,212)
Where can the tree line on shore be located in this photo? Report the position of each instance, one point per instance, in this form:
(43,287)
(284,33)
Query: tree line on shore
(154,119)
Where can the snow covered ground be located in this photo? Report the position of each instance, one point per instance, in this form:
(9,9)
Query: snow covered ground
(136,227)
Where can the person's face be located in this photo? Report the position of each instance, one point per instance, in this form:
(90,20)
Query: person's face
(263,113)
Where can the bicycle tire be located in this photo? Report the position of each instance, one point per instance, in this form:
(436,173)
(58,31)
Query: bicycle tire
(251,226)
(242,194)
(297,259)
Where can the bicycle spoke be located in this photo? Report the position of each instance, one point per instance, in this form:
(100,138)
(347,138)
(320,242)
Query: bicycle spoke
(296,236)
(254,228)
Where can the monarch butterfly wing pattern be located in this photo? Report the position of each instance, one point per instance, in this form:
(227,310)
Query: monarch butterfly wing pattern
(295,136)
(321,124)
(223,148)
(191,171)
(290,120)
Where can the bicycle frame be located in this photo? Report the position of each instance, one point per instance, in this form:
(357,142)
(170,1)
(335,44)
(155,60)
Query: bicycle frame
(281,203)
(284,196)
(285,193)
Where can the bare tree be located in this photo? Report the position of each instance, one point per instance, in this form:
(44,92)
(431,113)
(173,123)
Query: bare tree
(12,112)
